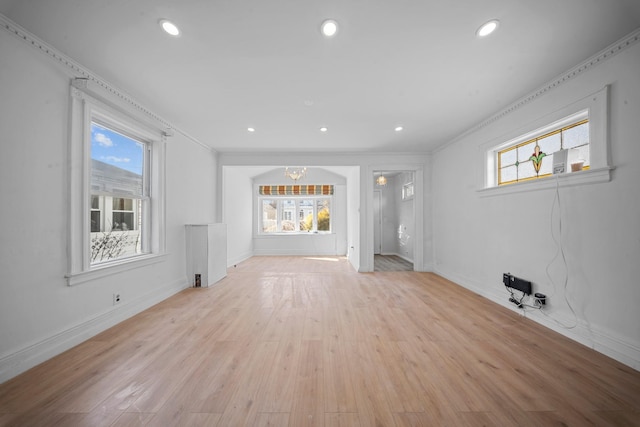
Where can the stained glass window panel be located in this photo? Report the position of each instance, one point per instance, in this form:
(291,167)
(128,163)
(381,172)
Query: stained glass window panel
(525,151)
(550,144)
(508,157)
(547,165)
(526,170)
(508,174)
(576,136)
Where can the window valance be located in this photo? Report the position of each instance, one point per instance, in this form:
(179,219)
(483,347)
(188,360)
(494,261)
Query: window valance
(296,190)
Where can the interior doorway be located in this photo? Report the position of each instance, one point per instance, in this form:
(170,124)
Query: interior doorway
(394,228)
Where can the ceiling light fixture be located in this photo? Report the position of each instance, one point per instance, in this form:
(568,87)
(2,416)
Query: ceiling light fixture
(398,128)
(329,28)
(324,129)
(381,180)
(251,129)
(487,28)
(295,173)
(169,27)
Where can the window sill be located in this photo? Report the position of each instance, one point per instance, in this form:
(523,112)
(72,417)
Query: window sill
(114,267)
(591,176)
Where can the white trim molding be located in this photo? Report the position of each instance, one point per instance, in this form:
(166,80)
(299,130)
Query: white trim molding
(596,59)
(606,343)
(81,72)
(14,364)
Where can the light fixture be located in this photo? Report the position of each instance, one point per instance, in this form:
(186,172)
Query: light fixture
(398,128)
(381,180)
(295,173)
(169,27)
(251,129)
(329,28)
(487,28)
(324,129)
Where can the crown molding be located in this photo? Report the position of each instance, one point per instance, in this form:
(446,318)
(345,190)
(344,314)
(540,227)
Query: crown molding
(81,72)
(596,59)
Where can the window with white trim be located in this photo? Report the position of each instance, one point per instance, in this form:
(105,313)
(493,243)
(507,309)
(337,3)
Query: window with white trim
(533,158)
(116,184)
(580,128)
(295,214)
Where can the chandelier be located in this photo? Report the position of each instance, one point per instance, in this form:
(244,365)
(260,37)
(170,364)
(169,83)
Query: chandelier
(295,173)
(381,180)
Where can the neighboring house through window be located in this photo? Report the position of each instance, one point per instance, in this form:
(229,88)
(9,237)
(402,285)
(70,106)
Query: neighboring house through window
(291,209)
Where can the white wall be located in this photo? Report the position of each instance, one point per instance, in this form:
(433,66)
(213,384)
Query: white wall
(237,207)
(388,216)
(405,227)
(40,316)
(478,238)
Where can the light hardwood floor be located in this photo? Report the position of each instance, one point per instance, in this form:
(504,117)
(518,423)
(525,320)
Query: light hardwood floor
(294,341)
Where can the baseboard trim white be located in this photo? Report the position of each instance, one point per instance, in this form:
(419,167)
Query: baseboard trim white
(603,342)
(294,252)
(25,359)
(232,262)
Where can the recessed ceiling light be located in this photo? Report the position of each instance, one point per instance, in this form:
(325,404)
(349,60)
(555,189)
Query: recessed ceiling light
(251,129)
(324,129)
(398,128)
(329,28)
(169,27)
(487,28)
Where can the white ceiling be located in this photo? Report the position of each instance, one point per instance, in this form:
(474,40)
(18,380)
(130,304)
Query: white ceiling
(264,64)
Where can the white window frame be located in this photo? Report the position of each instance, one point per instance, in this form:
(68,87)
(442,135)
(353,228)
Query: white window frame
(296,210)
(93,103)
(595,108)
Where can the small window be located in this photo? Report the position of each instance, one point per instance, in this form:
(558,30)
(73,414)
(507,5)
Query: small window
(407,191)
(523,157)
(533,158)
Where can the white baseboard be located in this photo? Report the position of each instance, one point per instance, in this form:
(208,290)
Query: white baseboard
(232,262)
(606,343)
(293,252)
(25,359)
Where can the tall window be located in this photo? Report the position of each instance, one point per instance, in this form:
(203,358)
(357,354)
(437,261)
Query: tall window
(117,156)
(119,195)
(295,215)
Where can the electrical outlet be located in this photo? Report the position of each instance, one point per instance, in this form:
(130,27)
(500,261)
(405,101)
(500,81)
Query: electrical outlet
(117,298)
(540,298)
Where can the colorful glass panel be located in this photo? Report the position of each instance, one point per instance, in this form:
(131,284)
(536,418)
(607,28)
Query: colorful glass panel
(534,158)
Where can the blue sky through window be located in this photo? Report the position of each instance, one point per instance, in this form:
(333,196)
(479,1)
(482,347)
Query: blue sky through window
(113,148)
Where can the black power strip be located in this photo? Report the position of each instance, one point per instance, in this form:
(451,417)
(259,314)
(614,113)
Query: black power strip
(514,282)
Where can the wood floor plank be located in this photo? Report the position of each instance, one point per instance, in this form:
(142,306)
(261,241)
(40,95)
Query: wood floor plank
(308,397)
(338,384)
(307,341)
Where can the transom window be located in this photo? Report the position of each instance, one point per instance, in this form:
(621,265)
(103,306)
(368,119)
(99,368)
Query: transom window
(533,158)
